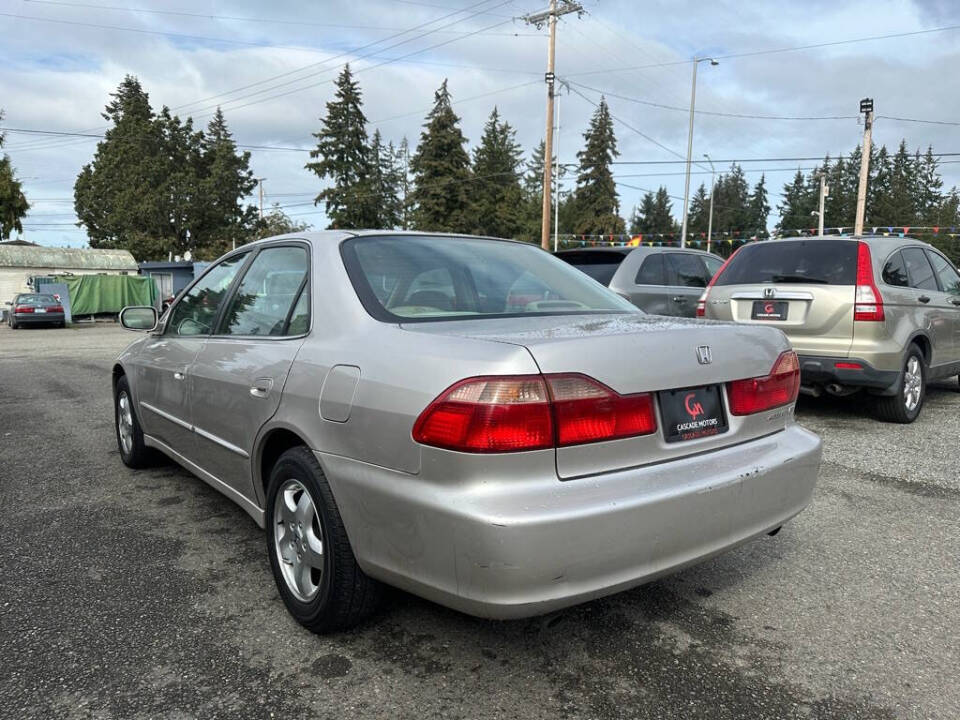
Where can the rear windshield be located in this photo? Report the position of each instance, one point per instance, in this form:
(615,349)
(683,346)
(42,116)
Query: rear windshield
(404,279)
(599,265)
(35,299)
(823,262)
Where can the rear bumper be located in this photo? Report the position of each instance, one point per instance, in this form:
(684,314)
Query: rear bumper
(37,318)
(816,370)
(503,550)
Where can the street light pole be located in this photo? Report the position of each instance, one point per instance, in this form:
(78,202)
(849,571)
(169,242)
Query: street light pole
(686,182)
(713,187)
(824,191)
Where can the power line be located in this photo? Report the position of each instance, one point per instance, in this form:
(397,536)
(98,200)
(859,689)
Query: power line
(714,112)
(915,120)
(774,51)
(64,133)
(234,18)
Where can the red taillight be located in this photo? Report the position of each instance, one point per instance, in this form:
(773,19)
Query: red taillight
(867,303)
(531,412)
(489,414)
(702,302)
(588,411)
(780,387)
(55,309)
(23,309)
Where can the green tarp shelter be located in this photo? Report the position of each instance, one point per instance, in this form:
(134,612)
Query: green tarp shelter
(93,294)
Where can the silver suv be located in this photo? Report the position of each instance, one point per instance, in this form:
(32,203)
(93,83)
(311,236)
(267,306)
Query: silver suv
(660,281)
(874,313)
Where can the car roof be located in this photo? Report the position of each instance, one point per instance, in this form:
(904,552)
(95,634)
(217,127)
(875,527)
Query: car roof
(335,236)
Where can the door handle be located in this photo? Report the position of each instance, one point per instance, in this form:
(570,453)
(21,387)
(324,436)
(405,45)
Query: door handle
(924,299)
(261,387)
(178,375)
(955,301)
(679,298)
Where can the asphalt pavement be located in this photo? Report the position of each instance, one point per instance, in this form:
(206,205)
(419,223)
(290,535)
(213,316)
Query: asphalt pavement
(146,594)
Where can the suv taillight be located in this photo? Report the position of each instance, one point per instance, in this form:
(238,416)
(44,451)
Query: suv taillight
(531,412)
(867,302)
(702,302)
(780,387)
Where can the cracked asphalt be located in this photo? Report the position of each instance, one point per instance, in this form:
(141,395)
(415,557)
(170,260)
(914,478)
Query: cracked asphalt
(146,594)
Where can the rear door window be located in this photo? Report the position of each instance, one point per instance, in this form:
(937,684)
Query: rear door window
(601,266)
(713,264)
(652,271)
(687,270)
(918,269)
(268,290)
(949,279)
(895,272)
(822,262)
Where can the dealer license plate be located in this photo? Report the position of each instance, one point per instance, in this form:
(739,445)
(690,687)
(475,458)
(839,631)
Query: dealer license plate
(769,310)
(692,413)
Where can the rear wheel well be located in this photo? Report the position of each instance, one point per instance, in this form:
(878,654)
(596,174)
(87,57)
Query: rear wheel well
(922,342)
(275,445)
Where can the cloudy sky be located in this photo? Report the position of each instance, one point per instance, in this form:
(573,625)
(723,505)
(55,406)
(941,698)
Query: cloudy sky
(270,67)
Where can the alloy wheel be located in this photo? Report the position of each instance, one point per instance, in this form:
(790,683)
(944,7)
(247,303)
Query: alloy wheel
(298,540)
(912,383)
(125,422)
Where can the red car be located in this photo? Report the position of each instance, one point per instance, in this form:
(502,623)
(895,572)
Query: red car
(35,309)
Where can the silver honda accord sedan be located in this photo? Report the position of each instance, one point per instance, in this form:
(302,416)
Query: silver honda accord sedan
(469,419)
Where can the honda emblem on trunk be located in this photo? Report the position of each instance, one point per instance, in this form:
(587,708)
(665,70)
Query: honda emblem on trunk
(769,292)
(704,356)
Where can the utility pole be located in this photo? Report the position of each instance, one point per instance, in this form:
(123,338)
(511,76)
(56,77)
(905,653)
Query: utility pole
(713,188)
(686,183)
(260,186)
(824,191)
(557,8)
(866,107)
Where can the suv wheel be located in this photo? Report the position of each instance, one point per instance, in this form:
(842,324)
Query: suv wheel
(905,406)
(311,558)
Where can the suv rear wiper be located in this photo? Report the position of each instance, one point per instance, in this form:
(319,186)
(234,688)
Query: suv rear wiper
(799,279)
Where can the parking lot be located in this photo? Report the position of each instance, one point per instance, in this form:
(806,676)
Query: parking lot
(139,594)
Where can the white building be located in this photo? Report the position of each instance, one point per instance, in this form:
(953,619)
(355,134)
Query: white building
(18,262)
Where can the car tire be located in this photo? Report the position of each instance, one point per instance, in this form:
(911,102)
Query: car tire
(134,453)
(13,325)
(313,564)
(905,406)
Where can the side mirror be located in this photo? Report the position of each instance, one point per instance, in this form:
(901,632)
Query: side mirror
(8,303)
(139,317)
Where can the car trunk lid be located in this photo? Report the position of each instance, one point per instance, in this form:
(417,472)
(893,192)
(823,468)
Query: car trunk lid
(637,353)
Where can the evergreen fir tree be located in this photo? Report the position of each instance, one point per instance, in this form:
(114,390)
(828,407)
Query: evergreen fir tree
(698,216)
(759,208)
(384,185)
(226,179)
(532,187)
(13,203)
(119,197)
(929,200)
(796,206)
(597,202)
(342,156)
(441,171)
(497,195)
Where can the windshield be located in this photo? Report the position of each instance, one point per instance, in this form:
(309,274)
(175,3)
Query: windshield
(820,262)
(600,265)
(417,278)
